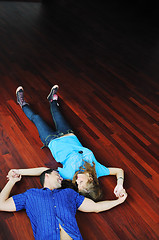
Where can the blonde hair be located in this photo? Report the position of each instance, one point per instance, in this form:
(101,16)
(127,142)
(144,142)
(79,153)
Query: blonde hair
(93,189)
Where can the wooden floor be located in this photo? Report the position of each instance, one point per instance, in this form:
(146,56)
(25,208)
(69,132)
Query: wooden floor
(105,57)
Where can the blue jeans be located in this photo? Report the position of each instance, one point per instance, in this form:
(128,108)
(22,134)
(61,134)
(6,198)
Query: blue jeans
(46,133)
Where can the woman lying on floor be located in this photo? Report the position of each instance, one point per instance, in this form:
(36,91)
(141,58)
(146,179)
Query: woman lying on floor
(79,163)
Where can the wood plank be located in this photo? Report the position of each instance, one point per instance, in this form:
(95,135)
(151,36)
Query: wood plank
(104,56)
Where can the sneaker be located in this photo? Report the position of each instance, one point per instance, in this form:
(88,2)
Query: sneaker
(20,96)
(52,95)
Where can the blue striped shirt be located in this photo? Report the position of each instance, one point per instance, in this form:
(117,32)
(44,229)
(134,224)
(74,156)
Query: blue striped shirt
(47,209)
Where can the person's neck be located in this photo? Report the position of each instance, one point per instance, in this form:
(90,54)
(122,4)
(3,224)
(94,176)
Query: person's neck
(49,187)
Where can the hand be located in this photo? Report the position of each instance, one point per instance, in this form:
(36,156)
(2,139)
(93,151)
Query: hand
(123,197)
(14,179)
(13,173)
(118,190)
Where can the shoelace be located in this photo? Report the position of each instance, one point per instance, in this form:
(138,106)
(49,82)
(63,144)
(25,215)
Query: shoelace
(21,98)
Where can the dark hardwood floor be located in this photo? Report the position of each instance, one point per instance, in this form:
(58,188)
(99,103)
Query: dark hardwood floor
(105,58)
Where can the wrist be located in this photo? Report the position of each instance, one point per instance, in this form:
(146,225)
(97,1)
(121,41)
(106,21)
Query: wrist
(120,181)
(119,200)
(120,184)
(20,171)
(12,181)
(120,178)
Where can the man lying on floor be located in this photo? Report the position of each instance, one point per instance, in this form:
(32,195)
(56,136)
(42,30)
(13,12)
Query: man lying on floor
(51,209)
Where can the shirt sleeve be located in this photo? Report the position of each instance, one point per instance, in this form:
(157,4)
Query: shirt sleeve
(20,201)
(78,199)
(101,170)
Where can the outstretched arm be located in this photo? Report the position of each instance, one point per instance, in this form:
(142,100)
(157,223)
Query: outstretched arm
(119,173)
(89,205)
(6,203)
(27,172)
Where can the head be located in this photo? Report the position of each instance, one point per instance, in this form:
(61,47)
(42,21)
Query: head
(51,179)
(87,182)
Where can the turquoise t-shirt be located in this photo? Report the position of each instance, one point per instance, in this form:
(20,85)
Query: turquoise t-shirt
(66,150)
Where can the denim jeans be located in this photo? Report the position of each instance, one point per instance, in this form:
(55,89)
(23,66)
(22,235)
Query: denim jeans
(46,133)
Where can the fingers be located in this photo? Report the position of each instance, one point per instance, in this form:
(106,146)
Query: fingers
(124,196)
(15,179)
(122,192)
(13,173)
(118,190)
(19,177)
